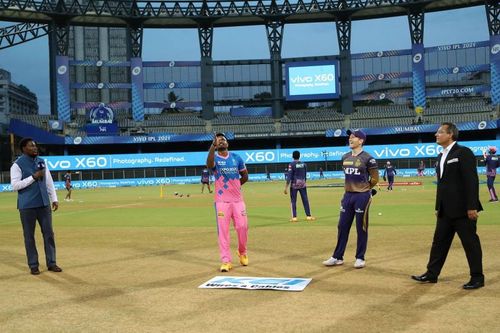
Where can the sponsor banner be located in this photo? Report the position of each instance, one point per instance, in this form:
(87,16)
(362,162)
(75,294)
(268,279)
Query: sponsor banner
(137,80)
(256,283)
(454,47)
(172,85)
(147,138)
(393,94)
(251,112)
(495,68)
(259,177)
(418,69)
(89,105)
(380,54)
(381,76)
(100,85)
(56,125)
(172,105)
(461,91)
(457,70)
(427,128)
(62,88)
(101,129)
(321,154)
(171,63)
(99,63)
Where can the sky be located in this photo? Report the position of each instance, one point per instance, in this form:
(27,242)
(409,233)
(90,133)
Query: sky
(29,62)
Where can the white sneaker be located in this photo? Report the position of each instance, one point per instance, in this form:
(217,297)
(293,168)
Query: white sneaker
(333,262)
(360,263)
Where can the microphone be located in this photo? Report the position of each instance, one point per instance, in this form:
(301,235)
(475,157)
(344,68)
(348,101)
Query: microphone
(40,165)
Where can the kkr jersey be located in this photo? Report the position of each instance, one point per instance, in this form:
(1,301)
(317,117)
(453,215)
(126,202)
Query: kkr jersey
(67,179)
(227,177)
(492,163)
(356,171)
(390,171)
(297,174)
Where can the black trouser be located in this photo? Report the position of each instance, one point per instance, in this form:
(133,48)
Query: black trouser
(443,237)
(29,217)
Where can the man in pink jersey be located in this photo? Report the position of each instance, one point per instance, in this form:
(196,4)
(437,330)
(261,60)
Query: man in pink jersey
(230,173)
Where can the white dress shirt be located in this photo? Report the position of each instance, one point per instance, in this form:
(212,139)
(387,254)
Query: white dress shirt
(443,158)
(18,183)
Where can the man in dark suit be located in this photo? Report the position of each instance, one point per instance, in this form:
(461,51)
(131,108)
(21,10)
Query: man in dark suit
(457,207)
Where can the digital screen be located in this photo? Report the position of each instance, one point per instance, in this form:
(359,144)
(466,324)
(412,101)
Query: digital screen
(312,80)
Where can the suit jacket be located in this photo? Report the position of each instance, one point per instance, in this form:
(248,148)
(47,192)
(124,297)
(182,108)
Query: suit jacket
(458,188)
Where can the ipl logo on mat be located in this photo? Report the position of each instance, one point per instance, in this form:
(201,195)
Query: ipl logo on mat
(256,283)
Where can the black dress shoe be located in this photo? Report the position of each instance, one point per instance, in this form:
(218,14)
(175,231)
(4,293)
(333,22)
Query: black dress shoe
(473,285)
(425,278)
(34,271)
(55,268)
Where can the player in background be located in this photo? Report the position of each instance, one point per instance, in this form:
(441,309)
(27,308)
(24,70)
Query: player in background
(205,180)
(492,163)
(296,179)
(389,172)
(67,185)
(230,173)
(361,175)
(421,169)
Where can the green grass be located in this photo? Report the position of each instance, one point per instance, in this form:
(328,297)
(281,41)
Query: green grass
(266,205)
(133,261)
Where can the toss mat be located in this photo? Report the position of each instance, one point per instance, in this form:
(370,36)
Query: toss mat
(256,283)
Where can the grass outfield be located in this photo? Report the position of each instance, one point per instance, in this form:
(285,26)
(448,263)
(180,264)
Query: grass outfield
(133,261)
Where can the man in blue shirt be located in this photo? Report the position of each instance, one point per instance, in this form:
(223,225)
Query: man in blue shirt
(31,178)
(296,178)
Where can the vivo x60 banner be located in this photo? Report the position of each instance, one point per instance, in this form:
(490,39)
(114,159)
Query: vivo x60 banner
(322,154)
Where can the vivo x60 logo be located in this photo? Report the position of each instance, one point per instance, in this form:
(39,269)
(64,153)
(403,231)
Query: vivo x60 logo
(78,163)
(415,151)
(313,78)
(260,156)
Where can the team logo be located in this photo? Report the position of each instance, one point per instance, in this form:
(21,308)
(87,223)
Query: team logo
(417,57)
(359,210)
(357,163)
(77,140)
(62,70)
(495,49)
(55,125)
(482,125)
(101,114)
(100,85)
(171,85)
(136,70)
(380,53)
(173,105)
(220,214)
(99,63)
(171,64)
(381,76)
(456,70)
(337,133)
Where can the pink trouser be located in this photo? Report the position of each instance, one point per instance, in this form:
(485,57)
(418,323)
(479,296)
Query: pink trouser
(237,212)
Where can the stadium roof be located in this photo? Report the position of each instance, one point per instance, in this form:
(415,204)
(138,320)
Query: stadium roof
(192,14)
